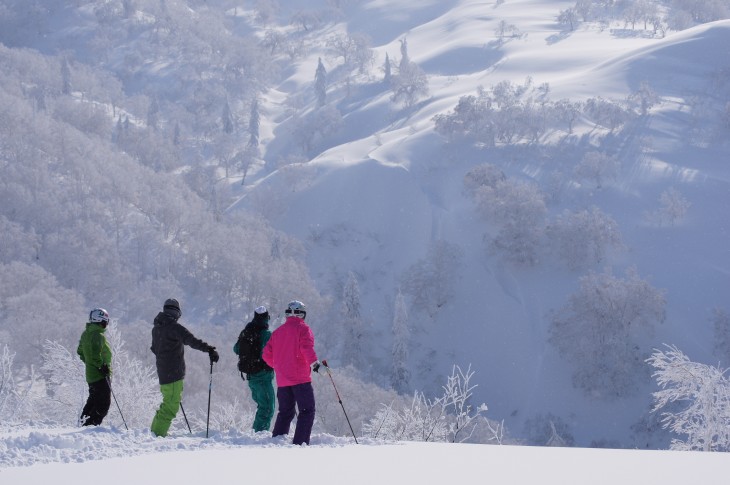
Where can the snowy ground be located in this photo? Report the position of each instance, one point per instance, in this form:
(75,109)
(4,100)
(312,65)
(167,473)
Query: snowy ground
(59,456)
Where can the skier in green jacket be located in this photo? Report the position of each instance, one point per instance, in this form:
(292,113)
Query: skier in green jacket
(96,353)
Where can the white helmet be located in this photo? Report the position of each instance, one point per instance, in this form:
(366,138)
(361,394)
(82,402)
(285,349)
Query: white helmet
(296,308)
(99,315)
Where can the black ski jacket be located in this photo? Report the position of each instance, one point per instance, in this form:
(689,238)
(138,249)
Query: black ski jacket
(168,341)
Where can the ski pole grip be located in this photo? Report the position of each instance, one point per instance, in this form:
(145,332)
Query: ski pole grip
(324,363)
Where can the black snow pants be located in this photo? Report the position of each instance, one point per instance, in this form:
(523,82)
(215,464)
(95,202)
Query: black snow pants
(98,403)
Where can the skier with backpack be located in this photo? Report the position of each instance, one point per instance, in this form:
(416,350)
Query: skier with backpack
(96,354)
(168,344)
(260,376)
(290,352)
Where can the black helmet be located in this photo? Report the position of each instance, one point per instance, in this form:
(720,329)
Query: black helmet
(261,314)
(172,308)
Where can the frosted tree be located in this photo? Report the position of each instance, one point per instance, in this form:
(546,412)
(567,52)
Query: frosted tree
(354,49)
(65,383)
(598,330)
(227,119)
(721,326)
(320,84)
(457,395)
(702,393)
(449,417)
(568,18)
(548,430)
(483,175)
(254,124)
(597,167)
(134,383)
(673,207)
(422,420)
(582,239)
(153,114)
(66,76)
(399,373)
(518,209)
(644,98)
(430,281)
(15,402)
(313,128)
(411,83)
(404,57)
(607,113)
(387,74)
(354,328)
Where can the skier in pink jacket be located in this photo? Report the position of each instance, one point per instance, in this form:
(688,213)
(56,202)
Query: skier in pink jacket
(290,351)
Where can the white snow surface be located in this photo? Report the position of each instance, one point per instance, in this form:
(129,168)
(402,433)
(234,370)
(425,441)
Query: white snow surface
(35,455)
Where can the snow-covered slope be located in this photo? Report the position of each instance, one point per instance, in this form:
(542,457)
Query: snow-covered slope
(375,200)
(65,457)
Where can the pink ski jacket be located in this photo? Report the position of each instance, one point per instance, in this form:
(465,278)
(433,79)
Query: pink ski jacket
(290,351)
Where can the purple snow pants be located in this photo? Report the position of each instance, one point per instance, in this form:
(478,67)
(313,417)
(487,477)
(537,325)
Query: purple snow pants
(301,396)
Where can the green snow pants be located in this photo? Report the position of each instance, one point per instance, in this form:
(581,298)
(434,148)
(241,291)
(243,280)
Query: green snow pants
(171,398)
(262,392)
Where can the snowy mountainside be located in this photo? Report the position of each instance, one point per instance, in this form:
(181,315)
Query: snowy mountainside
(373,202)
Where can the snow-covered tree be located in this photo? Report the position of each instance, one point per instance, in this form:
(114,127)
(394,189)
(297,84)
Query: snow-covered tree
(65,383)
(399,372)
(227,119)
(721,327)
(609,114)
(254,124)
(312,129)
(518,210)
(548,430)
(387,74)
(674,207)
(411,83)
(703,395)
(134,384)
(598,329)
(449,417)
(354,49)
(354,350)
(320,84)
(430,281)
(582,239)
(457,396)
(568,18)
(483,175)
(597,167)
(644,98)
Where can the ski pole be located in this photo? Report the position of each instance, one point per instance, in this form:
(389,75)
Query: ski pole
(186,418)
(210,388)
(109,383)
(324,363)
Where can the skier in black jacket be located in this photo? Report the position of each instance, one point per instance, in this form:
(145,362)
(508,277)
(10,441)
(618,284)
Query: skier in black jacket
(168,340)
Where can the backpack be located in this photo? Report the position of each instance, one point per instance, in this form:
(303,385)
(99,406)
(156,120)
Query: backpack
(249,351)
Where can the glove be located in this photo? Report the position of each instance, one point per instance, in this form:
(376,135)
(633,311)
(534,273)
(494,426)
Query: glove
(213,355)
(105,370)
(315,366)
